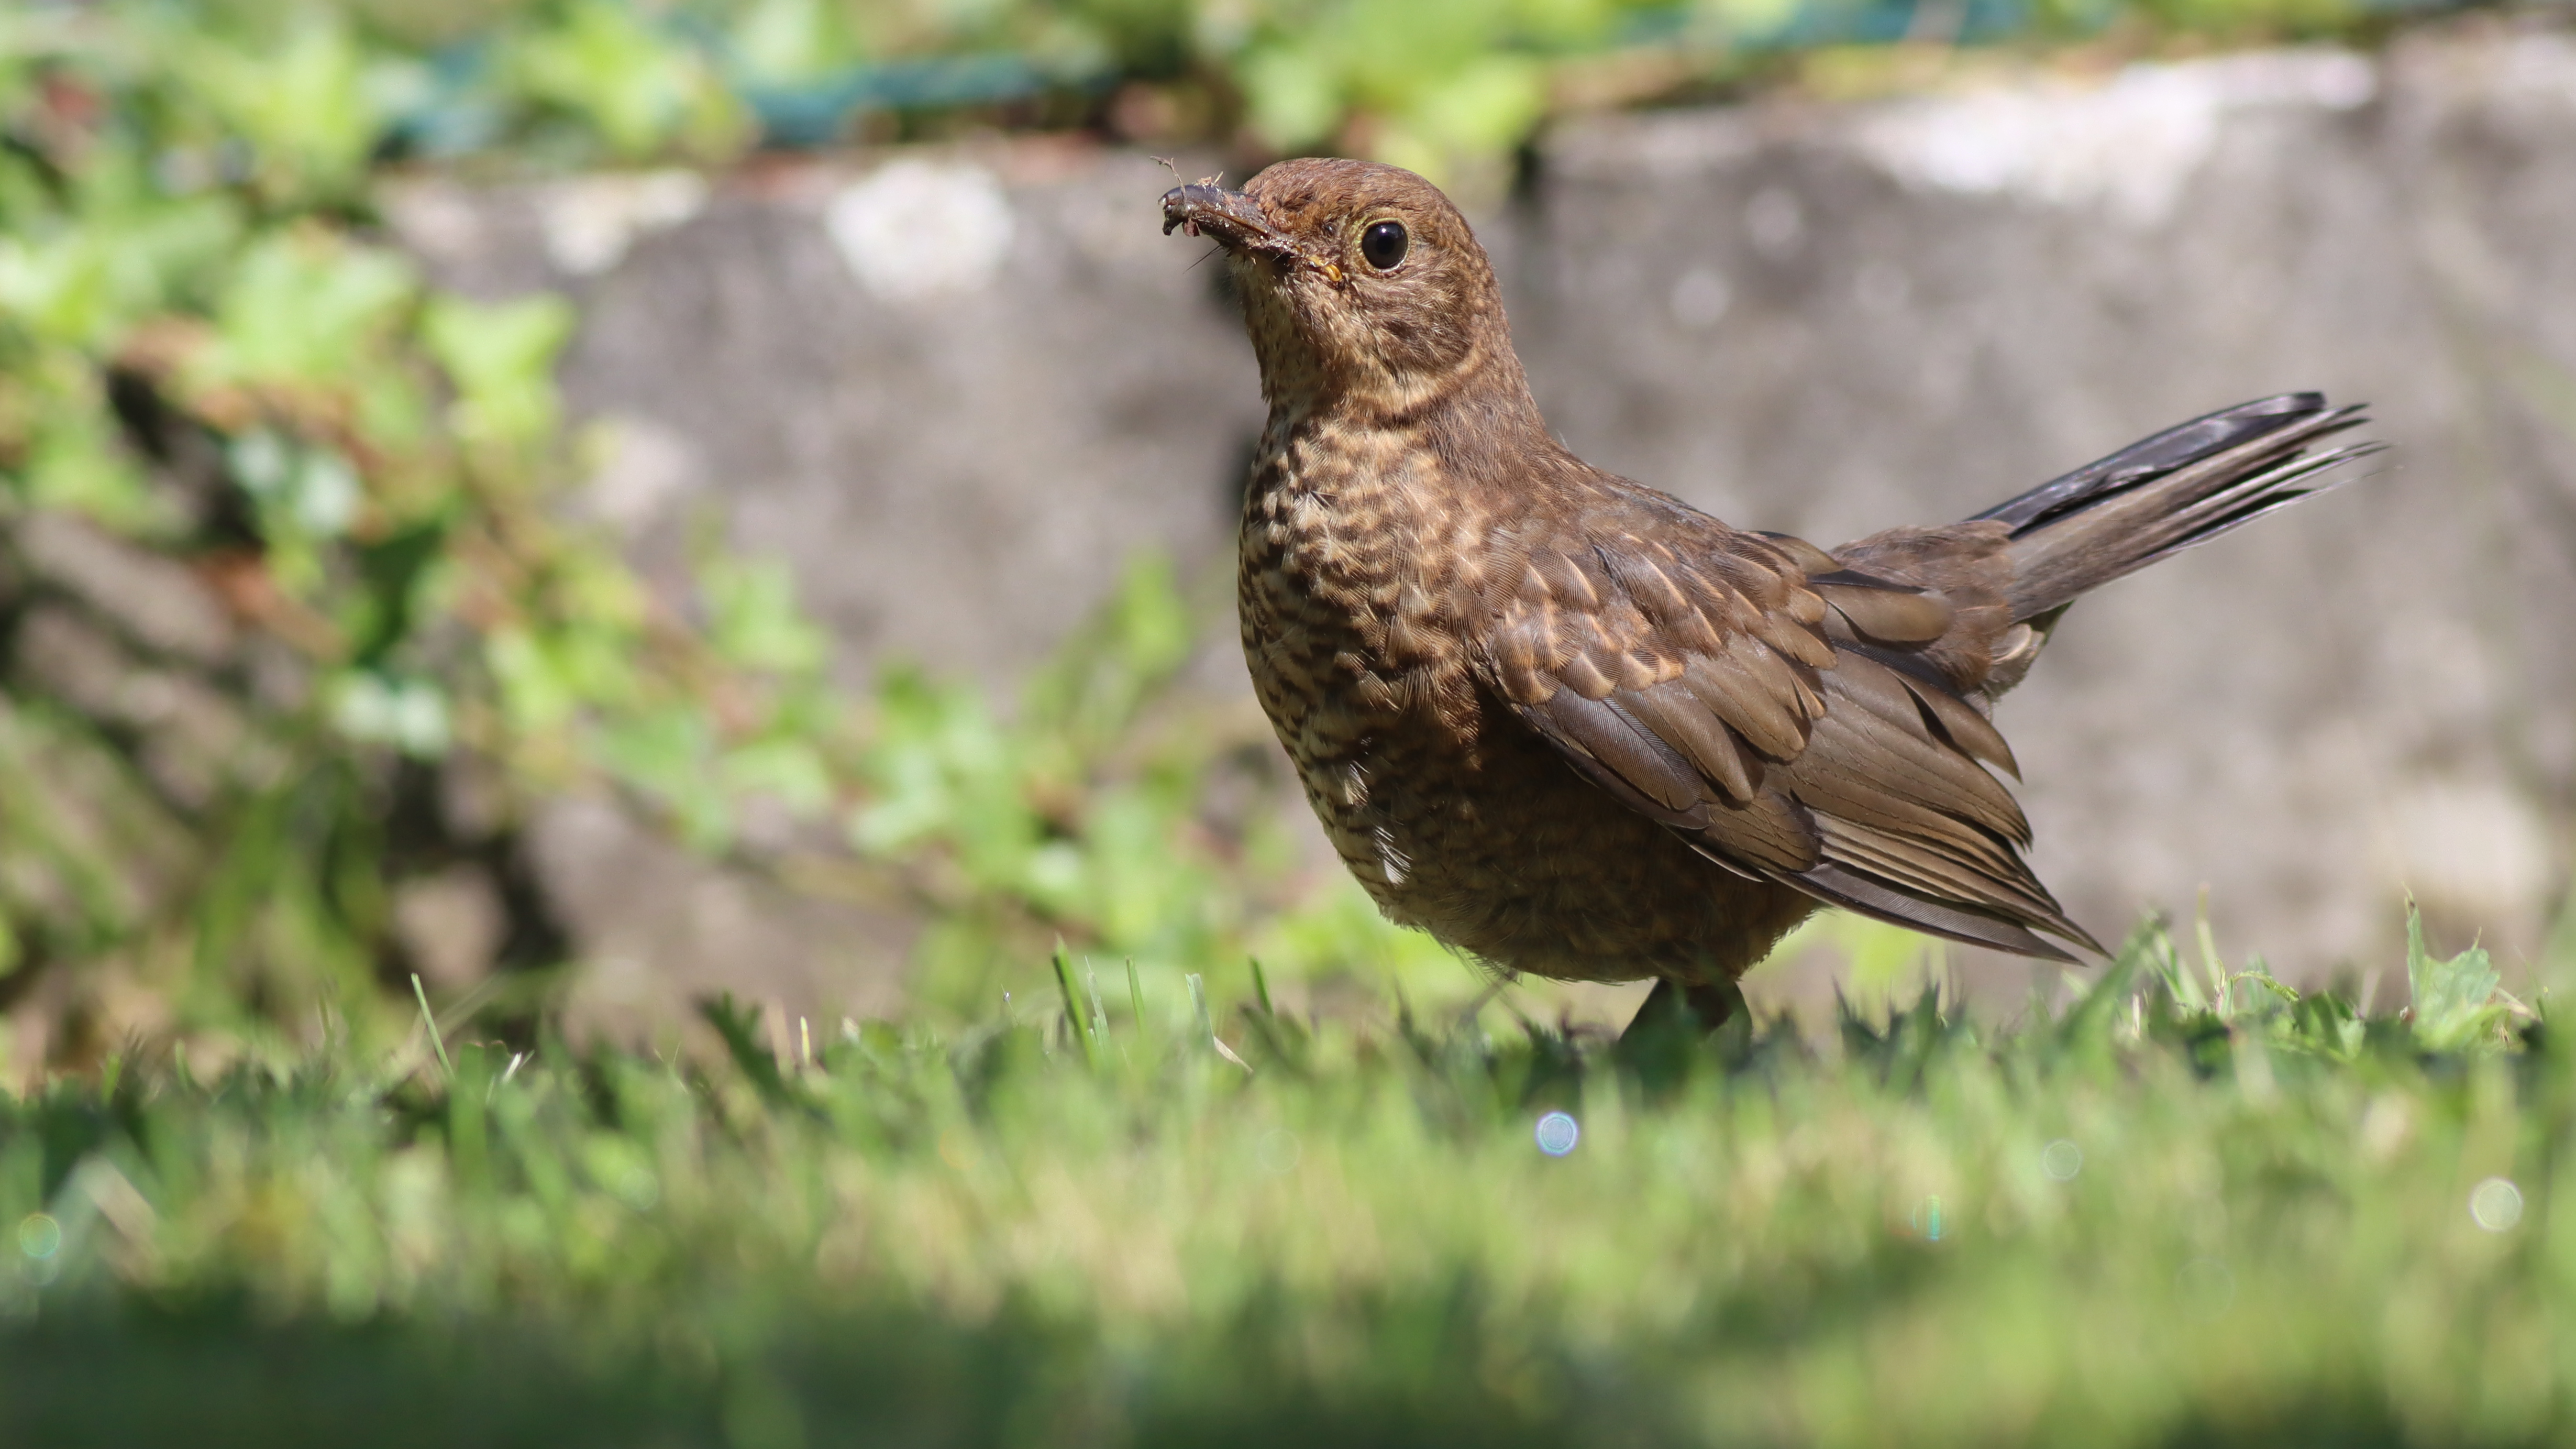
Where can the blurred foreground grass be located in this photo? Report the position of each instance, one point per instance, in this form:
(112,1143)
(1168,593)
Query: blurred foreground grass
(2183,1206)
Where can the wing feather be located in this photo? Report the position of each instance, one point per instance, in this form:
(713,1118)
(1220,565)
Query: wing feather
(1627,750)
(1892,614)
(1792,722)
(1745,688)
(1852,890)
(1677,718)
(1961,724)
(1885,752)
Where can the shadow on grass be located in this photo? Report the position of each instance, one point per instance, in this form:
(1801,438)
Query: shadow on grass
(213,1376)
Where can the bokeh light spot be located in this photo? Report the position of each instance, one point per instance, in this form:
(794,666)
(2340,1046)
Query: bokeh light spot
(40,1236)
(1557,1133)
(2495,1204)
(1277,1151)
(2061,1159)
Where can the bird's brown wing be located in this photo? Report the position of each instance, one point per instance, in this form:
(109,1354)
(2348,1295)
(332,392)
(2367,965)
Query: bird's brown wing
(1776,711)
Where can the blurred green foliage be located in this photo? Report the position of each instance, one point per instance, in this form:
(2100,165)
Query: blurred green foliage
(281,559)
(314,90)
(1107,811)
(2179,1205)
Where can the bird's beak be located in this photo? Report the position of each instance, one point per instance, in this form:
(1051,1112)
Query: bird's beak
(1234,219)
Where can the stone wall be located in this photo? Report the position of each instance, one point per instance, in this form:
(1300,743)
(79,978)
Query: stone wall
(957,389)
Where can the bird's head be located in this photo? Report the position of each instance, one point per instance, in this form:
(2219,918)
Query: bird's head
(1359,281)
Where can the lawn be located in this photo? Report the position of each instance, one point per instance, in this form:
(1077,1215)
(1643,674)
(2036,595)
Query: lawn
(2177,1206)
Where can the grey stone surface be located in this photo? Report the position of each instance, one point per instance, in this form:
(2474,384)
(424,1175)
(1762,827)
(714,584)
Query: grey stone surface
(660,930)
(159,602)
(956,404)
(1814,318)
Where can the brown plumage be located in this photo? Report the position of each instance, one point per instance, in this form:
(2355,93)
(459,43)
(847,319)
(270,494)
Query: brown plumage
(1575,727)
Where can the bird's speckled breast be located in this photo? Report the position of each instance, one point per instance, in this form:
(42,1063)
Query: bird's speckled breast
(1354,648)
(1359,567)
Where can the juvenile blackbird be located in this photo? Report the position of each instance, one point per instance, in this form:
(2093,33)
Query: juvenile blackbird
(1572,726)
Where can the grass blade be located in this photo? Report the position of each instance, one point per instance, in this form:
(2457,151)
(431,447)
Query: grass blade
(429,1019)
(1207,1024)
(1072,1009)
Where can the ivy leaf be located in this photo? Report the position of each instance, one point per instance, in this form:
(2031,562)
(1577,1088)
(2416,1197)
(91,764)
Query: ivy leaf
(640,90)
(753,619)
(500,356)
(2455,1002)
(305,106)
(791,770)
(669,754)
(303,308)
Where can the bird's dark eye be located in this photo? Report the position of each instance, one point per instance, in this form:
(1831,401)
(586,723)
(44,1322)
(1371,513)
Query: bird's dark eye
(1383,244)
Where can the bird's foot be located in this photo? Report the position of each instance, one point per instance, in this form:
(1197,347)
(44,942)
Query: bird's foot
(1681,1023)
(1700,1008)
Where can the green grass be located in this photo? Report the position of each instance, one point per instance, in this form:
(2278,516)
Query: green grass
(2177,1208)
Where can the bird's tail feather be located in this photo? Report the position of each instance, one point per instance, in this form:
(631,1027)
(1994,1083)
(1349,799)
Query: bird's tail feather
(2157,497)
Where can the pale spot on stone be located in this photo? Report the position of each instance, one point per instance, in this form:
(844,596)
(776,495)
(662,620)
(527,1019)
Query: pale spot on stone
(2128,148)
(1700,299)
(592,222)
(1775,223)
(644,465)
(2471,846)
(921,229)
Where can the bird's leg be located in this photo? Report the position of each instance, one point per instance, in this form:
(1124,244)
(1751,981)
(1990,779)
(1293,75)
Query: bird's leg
(1698,1007)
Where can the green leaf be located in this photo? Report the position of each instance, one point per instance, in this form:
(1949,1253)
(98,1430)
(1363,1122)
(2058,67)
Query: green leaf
(641,90)
(2454,1002)
(408,714)
(312,492)
(791,770)
(784,42)
(305,307)
(753,619)
(1292,94)
(125,251)
(534,692)
(77,461)
(670,755)
(500,356)
(304,106)
(1751,19)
